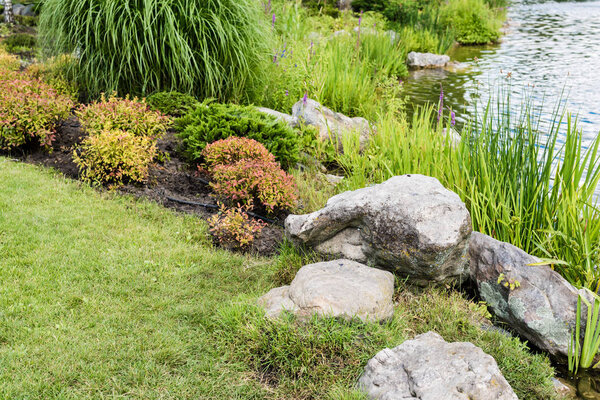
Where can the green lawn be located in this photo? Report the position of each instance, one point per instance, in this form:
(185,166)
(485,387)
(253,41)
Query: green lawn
(105,297)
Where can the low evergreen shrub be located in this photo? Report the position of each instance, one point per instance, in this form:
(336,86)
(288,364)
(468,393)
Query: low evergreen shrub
(115,157)
(209,122)
(18,42)
(29,111)
(172,103)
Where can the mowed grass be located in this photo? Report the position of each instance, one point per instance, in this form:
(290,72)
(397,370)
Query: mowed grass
(106,297)
(100,298)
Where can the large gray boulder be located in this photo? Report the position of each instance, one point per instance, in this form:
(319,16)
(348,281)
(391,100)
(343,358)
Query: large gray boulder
(427,60)
(429,368)
(331,125)
(340,288)
(409,224)
(541,305)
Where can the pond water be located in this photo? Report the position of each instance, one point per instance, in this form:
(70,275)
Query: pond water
(548,47)
(550,53)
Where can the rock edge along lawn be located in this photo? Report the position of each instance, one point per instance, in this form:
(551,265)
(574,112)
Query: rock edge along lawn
(102,296)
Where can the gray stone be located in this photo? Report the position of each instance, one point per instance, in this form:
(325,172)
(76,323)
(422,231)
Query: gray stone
(288,119)
(542,308)
(340,288)
(563,389)
(18,9)
(333,179)
(409,224)
(429,368)
(427,60)
(331,125)
(28,11)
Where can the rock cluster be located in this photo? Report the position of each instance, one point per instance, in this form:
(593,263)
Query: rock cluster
(409,224)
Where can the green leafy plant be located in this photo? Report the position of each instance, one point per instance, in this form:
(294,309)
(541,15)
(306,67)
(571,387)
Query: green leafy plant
(472,21)
(115,157)
(233,227)
(210,122)
(206,48)
(8,62)
(583,355)
(172,103)
(19,42)
(126,114)
(29,111)
(233,149)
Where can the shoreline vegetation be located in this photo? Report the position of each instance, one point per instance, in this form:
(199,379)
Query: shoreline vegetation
(115,296)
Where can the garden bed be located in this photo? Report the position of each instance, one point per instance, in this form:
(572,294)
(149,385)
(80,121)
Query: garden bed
(171,179)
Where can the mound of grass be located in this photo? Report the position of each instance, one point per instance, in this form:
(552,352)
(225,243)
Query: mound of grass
(207,48)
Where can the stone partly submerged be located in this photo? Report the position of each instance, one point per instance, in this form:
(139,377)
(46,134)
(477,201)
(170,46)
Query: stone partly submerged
(340,288)
(427,60)
(535,301)
(429,368)
(409,224)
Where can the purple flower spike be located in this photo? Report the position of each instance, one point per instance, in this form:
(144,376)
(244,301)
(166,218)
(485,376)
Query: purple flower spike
(287,93)
(273,20)
(441,105)
(453,117)
(305,99)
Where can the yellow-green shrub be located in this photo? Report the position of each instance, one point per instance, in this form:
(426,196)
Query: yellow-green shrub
(115,157)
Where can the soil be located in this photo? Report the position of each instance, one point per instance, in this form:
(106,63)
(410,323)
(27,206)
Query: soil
(168,181)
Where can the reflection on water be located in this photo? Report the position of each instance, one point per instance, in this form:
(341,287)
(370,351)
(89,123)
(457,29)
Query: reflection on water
(587,384)
(549,46)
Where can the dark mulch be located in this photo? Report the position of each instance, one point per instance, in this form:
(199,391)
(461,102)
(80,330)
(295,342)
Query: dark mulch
(171,179)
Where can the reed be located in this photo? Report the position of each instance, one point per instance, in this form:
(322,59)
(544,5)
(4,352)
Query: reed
(520,184)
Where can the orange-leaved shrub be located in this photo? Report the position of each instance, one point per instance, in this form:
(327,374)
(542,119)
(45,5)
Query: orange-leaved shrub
(234,149)
(114,157)
(233,227)
(29,111)
(248,180)
(244,171)
(125,114)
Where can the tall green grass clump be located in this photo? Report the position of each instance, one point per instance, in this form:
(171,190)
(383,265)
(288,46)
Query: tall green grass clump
(524,182)
(209,48)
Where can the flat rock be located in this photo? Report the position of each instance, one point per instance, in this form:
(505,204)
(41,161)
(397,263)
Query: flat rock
(427,60)
(331,125)
(409,224)
(288,119)
(340,288)
(429,368)
(542,308)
